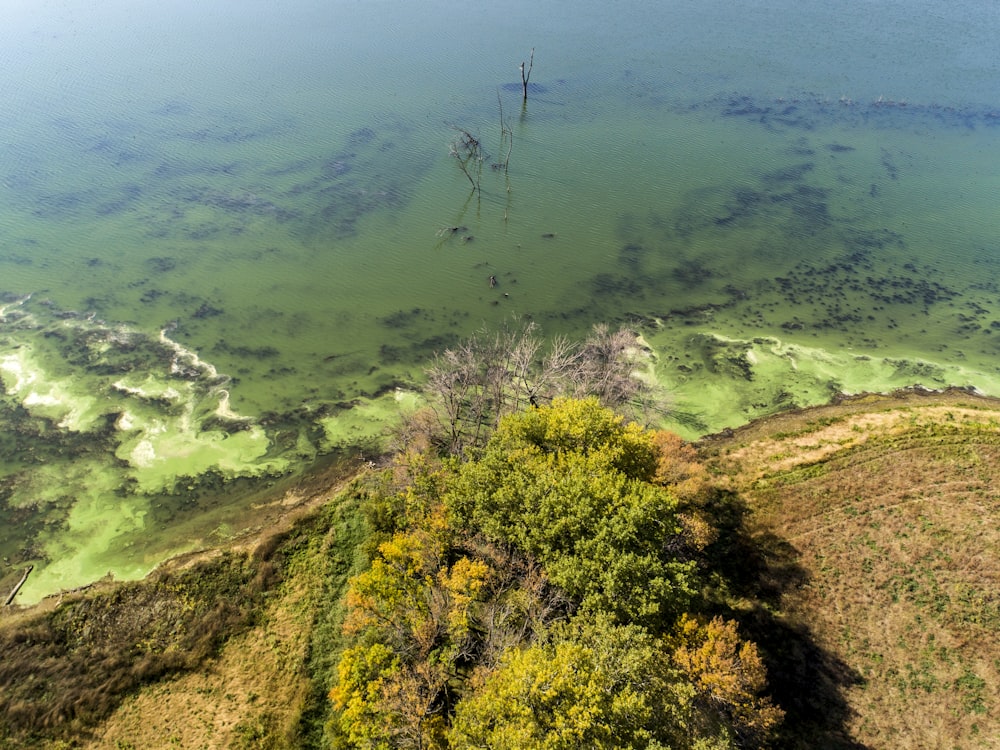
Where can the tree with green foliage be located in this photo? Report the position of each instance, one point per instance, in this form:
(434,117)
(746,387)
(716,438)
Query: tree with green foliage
(569,484)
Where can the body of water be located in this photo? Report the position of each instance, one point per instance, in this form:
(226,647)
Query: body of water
(231,235)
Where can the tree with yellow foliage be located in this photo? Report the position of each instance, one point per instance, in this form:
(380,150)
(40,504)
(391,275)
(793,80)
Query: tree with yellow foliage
(597,684)
(728,677)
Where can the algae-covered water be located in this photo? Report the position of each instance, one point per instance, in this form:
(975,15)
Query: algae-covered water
(231,235)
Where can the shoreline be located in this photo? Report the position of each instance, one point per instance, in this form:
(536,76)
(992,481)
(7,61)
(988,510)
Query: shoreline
(856,402)
(312,489)
(264,521)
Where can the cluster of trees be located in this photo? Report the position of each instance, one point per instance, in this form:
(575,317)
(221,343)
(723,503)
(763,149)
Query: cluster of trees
(544,592)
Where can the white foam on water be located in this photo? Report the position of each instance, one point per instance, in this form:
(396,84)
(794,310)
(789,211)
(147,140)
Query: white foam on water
(185,359)
(224,411)
(15,303)
(12,364)
(150,388)
(143,455)
(49,397)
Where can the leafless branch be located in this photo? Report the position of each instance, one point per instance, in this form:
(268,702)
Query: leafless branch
(491,374)
(468,151)
(525,77)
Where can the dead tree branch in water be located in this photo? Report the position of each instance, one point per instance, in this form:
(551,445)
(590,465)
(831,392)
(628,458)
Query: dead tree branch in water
(506,137)
(468,151)
(526,76)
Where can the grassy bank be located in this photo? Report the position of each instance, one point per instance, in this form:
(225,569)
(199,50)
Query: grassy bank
(876,521)
(867,574)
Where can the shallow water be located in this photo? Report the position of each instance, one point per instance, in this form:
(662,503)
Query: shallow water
(220,227)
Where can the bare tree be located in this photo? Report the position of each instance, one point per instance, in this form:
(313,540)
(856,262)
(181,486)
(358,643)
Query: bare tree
(492,374)
(483,378)
(604,366)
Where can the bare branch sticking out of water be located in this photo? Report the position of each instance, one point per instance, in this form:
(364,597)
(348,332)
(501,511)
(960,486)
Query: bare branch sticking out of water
(526,76)
(506,138)
(468,151)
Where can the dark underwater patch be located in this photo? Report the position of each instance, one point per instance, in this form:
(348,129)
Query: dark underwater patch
(402,318)
(370,173)
(631,256)
(793,173)
(692,273)
(162,264)
(173,108)
(533,88)
(609,284)
(804,111)
(61,205)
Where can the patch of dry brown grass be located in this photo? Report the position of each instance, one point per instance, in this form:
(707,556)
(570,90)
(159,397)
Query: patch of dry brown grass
(64,670)
(252,694)
(249,696)
(892,515)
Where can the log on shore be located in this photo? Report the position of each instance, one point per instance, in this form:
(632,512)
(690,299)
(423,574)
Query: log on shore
(27,572)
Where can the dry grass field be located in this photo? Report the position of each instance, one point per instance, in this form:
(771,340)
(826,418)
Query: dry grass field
(878,525)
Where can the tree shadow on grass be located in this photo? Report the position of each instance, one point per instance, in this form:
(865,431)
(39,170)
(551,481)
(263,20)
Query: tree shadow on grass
(808,682)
